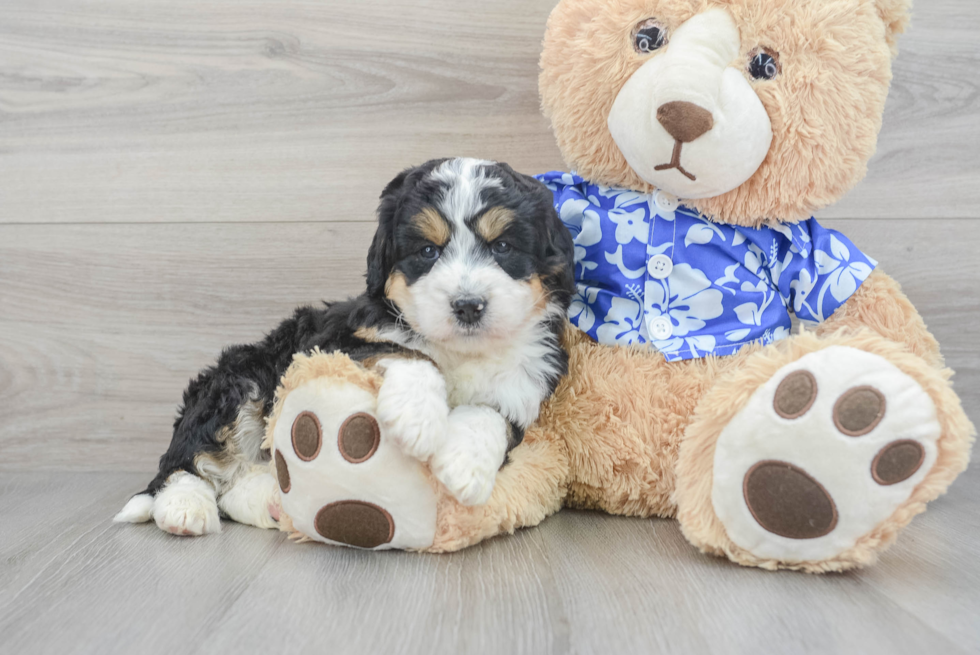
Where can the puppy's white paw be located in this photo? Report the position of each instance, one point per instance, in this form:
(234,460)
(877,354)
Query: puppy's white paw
(469,458)
(186,506)
(250,498)
(412,407)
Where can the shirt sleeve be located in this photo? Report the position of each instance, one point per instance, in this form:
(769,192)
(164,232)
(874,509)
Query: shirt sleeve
(815,269)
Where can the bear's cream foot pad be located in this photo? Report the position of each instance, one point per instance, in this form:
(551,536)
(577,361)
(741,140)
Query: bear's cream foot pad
(822,453)
(341,479)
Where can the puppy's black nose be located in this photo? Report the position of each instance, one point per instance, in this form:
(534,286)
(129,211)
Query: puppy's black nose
(468,310)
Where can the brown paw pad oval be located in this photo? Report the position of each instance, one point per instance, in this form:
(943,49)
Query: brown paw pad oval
(359,438)
(307,436)
(795,394)
(282,472)
(897,461)
(859,410)
(786,501)
(355,523)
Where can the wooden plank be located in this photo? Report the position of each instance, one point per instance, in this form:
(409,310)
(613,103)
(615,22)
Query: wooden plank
(116,589)
(581,582)
(102,325)
(926,165)
(218,111)
(223,111)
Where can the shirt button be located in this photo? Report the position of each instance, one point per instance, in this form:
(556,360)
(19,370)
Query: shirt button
(661,328)
(665,202)
(660,266)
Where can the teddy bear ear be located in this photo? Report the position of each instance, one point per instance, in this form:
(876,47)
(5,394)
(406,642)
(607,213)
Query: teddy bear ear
(895,14)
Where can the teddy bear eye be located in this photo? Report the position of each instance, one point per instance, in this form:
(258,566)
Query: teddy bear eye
(649,35)
(763,64)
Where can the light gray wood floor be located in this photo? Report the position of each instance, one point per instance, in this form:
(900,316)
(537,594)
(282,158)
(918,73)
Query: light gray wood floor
(178,175)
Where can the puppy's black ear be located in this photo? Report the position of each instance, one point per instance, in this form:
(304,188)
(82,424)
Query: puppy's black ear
(561,249)
(381,254)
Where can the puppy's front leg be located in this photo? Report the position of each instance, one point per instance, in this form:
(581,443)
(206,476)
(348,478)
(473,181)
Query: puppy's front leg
(469,457)
(412,405)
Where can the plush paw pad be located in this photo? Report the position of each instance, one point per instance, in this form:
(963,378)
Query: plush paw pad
(355,523)
(342,479)
(359,438)
(822,453)
(786,501)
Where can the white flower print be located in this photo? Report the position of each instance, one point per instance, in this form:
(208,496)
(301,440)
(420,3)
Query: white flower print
(622,323)
(620,197)
(585,224)
(844,274)
(630,225)
(691,302)
(617,259)
(698,346)
(779,332)
(809,269)
(802,286)
(737,335)
(702,233)
(582,262)
(729,277)
(581,307)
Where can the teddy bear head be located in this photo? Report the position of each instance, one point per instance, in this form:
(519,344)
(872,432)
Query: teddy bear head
(748,110)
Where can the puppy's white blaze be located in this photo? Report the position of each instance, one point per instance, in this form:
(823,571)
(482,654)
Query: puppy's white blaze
(464,179)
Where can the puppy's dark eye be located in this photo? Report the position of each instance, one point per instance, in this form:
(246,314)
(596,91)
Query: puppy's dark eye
(649,35)
(500,247)
(430,253)
(763,64)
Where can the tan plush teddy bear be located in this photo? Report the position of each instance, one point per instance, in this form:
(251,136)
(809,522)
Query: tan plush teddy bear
(687,395)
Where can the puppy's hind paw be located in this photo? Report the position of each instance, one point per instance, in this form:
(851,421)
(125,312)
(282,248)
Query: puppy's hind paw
(252,500)
(186,506)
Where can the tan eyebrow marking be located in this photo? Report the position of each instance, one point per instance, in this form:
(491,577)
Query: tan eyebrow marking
(432,226)
(493,222)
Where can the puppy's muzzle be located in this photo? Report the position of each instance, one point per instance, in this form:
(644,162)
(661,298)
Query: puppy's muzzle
(469,311)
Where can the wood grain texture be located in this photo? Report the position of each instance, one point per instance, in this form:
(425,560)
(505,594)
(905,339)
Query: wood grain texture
(579,583)
(103,325)
(222,111)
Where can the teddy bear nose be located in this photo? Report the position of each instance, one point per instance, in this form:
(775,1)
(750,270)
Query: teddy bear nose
(685,121)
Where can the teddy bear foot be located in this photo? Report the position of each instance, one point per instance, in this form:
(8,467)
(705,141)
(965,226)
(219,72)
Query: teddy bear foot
(826,461)
(342,480)
(826,450)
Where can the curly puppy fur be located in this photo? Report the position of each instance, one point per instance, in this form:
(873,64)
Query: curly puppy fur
(470,270)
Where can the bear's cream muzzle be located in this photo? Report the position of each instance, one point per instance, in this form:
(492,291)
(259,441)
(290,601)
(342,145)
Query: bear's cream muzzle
(688,121)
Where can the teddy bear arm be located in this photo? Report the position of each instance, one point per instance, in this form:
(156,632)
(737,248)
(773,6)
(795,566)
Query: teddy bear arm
(880,304)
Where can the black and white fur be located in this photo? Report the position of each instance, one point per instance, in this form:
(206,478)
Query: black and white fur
(469,278)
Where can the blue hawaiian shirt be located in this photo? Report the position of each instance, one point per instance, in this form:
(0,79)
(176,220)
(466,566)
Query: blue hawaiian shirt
(648,270)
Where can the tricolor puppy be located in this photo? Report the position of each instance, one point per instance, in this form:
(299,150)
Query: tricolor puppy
(469,278)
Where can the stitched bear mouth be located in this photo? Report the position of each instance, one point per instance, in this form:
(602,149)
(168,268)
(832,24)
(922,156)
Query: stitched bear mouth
(675,162)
